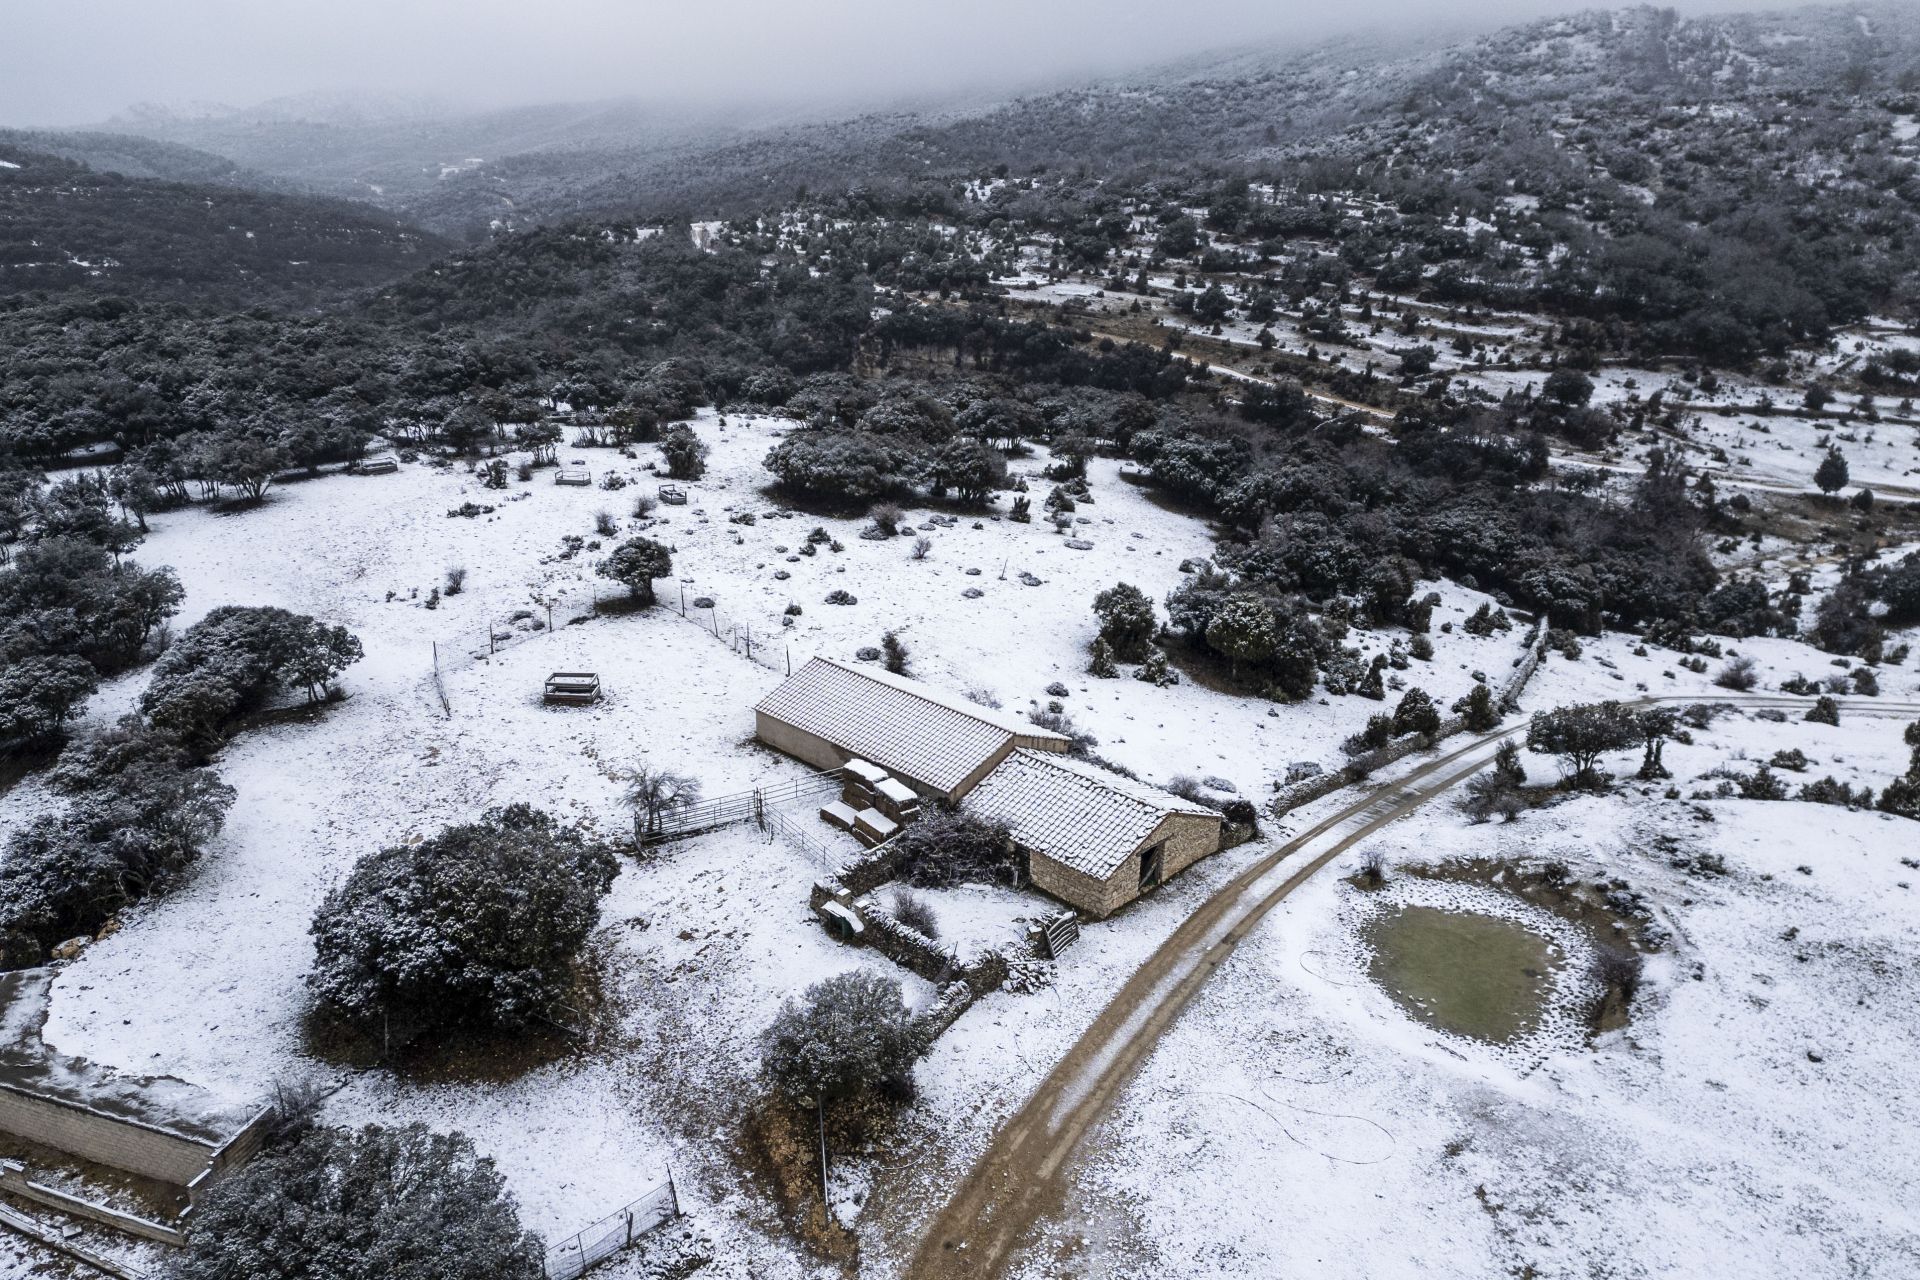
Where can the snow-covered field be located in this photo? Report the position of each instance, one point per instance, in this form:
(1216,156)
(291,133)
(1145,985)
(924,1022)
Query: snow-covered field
(1755,1119)
(1579,1151)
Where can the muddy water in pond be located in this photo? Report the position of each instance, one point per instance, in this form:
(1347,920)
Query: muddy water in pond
(1471,974)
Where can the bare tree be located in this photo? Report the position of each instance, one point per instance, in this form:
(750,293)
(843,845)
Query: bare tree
(654,793)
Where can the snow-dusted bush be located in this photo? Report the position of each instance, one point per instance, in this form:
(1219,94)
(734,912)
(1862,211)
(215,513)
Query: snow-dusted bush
(37,694)
(685,453)
(475,928)
(894,654)
(379,1204)
(1761,784)
(1156,670)
(140,813)
(914,911)
(1738,675)
(840,466)
(848,1037)
(232,659)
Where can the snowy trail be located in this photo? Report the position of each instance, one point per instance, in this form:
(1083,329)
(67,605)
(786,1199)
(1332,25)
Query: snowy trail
(1021,1177)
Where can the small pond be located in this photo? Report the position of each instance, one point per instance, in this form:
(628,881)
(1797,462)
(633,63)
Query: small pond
(1461,971)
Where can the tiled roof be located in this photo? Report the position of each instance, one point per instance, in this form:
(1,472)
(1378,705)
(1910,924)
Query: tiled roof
(1083,817)
(907,727)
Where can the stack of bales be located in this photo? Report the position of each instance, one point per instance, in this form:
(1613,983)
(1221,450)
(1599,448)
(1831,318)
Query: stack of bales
(873,804)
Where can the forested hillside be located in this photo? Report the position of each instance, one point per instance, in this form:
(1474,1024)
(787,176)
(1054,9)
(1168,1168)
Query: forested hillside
(65,225)
(1244,110)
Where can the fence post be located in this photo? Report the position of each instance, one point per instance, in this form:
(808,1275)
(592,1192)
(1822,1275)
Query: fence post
(673,1191)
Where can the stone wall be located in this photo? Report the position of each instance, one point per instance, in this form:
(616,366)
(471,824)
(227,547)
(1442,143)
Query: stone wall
(868,872)
(1356,769)
(1188,837)
(955,999)
(105,1139)
(960,984)
(905,945)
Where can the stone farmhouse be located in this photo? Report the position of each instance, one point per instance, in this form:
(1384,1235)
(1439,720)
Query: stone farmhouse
(1090,837)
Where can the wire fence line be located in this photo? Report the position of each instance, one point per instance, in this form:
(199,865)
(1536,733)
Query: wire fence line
(594,1244)
(763,650)
(768,650)
(782,826)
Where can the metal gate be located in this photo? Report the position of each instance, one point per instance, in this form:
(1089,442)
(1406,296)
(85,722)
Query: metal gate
(1058,933)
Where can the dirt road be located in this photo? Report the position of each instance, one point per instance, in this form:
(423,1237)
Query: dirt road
(1024,1173)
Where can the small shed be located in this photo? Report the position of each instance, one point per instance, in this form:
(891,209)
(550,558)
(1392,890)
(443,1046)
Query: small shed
(573,473)
(573,687)
(1093,838)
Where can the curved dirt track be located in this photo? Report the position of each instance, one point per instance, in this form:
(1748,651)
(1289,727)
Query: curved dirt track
(1024,1173)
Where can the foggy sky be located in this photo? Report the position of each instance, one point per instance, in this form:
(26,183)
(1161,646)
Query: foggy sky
(66,62)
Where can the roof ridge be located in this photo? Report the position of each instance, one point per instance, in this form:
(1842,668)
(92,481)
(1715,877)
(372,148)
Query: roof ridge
(1133,788)
(965,706)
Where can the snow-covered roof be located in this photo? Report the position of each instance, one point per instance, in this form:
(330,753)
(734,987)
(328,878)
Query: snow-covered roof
(1083,817)
(910,728)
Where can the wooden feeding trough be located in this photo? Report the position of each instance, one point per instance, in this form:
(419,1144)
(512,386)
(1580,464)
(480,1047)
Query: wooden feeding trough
(673,495)
(573,687)
(379,464)
(574,473)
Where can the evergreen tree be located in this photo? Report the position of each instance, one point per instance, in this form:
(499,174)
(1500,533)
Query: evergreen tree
(1581,734)
(848,1037)
(475,928)
(379,1204)
(1478,711)
(893,653)
(1374,684)
(1102,665)
(1831,474)
(685,453)
(1244,630)
(1127,620)
(1416,713)
(635,563)
(1507,765)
